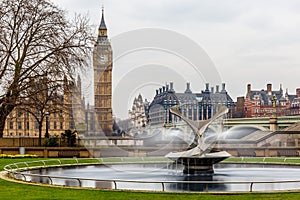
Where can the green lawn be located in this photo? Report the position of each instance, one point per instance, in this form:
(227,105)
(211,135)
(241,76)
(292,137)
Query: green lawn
(291,160)
(10,190)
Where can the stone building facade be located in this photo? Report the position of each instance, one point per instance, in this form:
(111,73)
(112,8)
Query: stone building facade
(138,113)
(65,111)
(195,106)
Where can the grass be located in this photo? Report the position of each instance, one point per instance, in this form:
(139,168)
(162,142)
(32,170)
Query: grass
(6,161)
(11,190)
(288,160)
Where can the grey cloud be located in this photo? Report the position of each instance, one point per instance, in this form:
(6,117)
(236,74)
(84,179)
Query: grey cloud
(240,34)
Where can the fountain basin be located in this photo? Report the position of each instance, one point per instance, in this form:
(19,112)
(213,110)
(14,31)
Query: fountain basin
(169,177)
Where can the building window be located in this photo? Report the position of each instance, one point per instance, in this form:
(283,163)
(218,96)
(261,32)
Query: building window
(19,113)
(37,113)
(72,125)
(27,125)
(19,125)
(54,125)
(61,126)
(37,125)
(11,125)
(92,123)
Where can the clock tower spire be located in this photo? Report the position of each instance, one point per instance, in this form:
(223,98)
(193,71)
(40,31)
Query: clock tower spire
(102,63)
(102,31)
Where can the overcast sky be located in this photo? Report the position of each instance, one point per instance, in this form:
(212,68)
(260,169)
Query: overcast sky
(249,41)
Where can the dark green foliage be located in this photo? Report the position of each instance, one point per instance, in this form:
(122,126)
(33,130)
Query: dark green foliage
(69,138)
(52,141)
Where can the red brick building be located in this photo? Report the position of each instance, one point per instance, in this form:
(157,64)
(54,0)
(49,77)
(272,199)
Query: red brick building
(269,102)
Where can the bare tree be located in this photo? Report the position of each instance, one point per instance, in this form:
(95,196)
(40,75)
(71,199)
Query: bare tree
(44,98)
(36,40)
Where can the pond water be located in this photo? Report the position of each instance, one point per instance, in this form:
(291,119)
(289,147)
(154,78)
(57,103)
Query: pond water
(163,172)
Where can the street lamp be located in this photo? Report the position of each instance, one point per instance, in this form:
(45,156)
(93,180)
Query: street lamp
(47,125)
(274,101)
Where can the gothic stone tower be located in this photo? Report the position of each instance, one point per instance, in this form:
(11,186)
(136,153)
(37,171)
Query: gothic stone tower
(102,61)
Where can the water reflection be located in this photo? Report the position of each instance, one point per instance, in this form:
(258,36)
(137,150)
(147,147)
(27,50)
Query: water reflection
(196,186)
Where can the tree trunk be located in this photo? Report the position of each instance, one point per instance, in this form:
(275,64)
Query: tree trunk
(2,125)
(40,133)
(4,112)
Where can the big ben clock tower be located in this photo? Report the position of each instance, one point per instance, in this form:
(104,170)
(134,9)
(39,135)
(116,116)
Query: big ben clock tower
(102,62)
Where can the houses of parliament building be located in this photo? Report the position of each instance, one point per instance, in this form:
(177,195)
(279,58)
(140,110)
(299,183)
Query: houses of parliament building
(72,112)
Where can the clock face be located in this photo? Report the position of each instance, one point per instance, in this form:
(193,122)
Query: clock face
(103,58)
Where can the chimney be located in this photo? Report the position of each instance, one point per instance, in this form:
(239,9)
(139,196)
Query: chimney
(164,88)
(212,89)
(207,87)
(160,90)
(298,92)
(217,88)
(188,86)
(188,90)
(171,87)
(167,88)
(269,88)
(248,88)
(156,92)
(287,94)
(223,87)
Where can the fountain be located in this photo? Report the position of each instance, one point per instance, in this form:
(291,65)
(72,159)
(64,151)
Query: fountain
(199,158)
(193,170)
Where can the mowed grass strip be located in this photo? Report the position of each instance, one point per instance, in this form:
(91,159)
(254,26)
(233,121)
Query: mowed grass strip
(11,191)
(264,159)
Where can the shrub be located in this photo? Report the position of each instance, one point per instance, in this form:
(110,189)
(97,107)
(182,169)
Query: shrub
(52,141)
(69,138)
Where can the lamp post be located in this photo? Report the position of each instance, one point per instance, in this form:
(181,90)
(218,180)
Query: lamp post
(274,102)
(273,119)
(47,125)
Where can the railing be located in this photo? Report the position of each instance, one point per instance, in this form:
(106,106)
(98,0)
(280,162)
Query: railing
(163,184)
(16,170)
(23,166)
